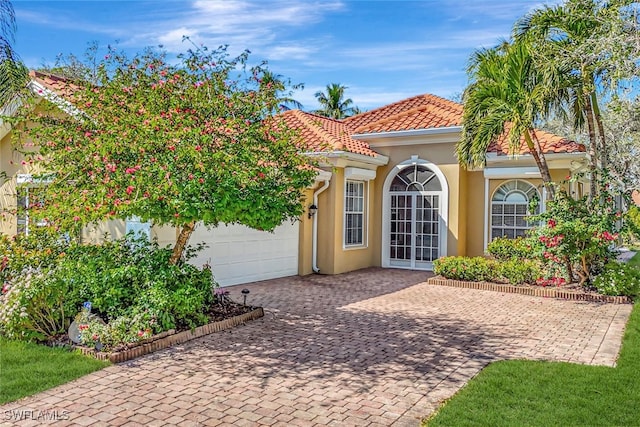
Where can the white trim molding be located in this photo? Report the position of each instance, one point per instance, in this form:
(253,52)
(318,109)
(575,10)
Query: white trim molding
(407,133)
(511,173)
(358,174)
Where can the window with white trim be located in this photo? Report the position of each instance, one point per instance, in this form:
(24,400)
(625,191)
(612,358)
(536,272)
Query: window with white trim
(354,213)
(510,207)
(27,198)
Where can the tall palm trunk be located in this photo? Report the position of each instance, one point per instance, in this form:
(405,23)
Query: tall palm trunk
(181,242)
(533,144)
(598,118)
(593,150)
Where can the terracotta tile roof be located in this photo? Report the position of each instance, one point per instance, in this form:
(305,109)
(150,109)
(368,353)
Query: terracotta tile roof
(322,133)
(550,144)
(419,112)
(59,85)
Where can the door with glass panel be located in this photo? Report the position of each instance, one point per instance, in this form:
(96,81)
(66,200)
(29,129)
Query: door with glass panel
(415,203)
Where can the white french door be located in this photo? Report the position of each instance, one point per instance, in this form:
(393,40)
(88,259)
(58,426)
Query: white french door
(414,240)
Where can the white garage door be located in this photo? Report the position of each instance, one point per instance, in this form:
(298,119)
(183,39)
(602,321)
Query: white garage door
(238,254)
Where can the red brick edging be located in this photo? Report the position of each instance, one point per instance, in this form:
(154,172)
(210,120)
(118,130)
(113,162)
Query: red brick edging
(534,292)
(169,338)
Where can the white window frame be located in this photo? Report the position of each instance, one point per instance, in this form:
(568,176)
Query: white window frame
(493,202)
(363,213)
(25,182)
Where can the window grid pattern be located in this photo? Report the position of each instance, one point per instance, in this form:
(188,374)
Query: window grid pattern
(354,213)
(27,198)
(510,209)
(427,228)
(401,226)
(415,178)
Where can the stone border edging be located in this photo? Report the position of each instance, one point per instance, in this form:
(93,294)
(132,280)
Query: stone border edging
(534,292)
(169,338)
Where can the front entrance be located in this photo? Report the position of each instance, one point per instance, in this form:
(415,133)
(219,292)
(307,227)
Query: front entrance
(415,234)
(415,227)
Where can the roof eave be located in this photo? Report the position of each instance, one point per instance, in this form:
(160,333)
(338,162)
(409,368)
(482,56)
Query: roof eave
(378,160)
(554,159)
(407,133)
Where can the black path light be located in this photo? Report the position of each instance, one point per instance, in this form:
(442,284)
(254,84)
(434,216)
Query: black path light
(245,292)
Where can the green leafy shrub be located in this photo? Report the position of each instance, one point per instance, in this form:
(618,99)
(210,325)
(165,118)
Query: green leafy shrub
(632,219)
(125,280)
(577,237)
(519,271)
(504,248)
(34,308)
(464,268)
(618,279)
(121,330)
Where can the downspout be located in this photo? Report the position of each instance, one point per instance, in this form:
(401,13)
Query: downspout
(314,232)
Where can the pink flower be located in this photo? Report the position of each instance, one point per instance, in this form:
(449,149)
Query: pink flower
(76,218)
(95,337)
(198,148)
(130,189)
(6,288)
(140,333)
(551,223)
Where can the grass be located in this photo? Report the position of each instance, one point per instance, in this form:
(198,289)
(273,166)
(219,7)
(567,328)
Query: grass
(26,368)
(528,393)
(635,261)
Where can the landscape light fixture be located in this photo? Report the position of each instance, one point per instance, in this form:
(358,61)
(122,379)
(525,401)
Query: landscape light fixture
(312,210)
(245,292)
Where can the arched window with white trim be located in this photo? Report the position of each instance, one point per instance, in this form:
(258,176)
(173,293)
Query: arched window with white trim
(510,206)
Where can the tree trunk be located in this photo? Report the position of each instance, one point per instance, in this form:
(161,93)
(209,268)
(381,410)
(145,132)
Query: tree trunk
(181,242)
(603,142)
(593,166)
(538,155)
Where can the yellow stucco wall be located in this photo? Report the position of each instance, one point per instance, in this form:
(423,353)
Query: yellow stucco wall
(333,256)
(475,213)
(305,236)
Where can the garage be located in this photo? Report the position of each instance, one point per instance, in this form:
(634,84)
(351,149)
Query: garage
(238,254)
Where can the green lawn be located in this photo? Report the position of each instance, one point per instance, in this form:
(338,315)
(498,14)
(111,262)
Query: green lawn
(27,368)
(635,261)
(527,393)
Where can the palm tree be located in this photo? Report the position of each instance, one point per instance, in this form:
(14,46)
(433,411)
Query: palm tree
(568,37)
(505,98)
(281,85)
(333,103)
(13,73)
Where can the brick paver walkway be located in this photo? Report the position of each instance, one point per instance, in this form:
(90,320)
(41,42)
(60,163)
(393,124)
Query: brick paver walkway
(374,347)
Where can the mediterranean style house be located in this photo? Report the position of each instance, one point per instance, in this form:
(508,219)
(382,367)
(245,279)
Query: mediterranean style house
(391,193)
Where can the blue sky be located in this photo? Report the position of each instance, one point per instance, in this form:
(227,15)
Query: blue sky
(384,51)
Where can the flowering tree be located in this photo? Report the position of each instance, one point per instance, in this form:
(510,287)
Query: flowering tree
(576,237)
(173,143)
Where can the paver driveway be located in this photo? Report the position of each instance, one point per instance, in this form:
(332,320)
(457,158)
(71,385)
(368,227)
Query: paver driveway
(373,347)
